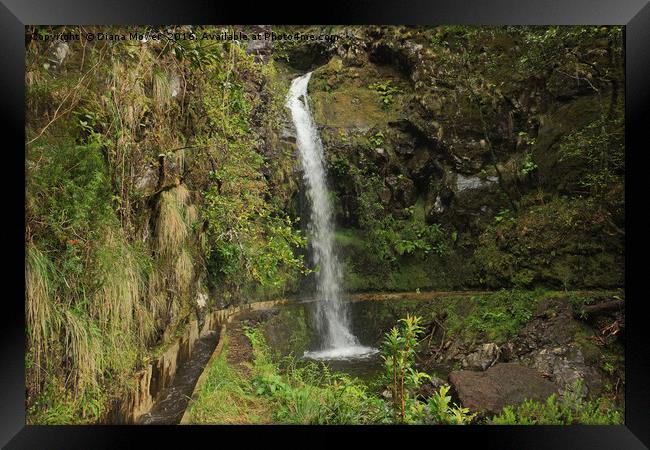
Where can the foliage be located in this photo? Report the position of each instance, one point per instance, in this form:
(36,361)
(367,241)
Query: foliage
(570,408)
(386,91)
(388,237)
(599,149)
(529,165)
(310,393)
(290,391)
(398,351)
(121,139)
(441,411)
(114,255)
(502,314)
(248,238)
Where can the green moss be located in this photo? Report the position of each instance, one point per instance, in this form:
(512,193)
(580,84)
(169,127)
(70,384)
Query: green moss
(342,97)
(560,243)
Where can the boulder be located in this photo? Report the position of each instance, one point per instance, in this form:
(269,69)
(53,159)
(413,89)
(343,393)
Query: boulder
(502,384)
(485,356)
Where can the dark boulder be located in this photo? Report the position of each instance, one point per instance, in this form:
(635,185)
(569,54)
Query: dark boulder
(502,384)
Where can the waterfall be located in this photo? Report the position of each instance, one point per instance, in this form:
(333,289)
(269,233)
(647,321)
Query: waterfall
(332,318)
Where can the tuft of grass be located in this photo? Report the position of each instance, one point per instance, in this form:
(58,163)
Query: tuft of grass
(116,305)
(181,193)
(161,89)
(42,321)
(171,229)
(191,215)
(120,283)
(82,348)
(183,271)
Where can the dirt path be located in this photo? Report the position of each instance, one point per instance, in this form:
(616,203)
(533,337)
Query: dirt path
(240,350)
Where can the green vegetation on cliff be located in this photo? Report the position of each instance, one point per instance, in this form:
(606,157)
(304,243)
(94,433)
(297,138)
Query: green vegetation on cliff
(154,178)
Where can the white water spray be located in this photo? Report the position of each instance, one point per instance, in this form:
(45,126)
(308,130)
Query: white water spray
(332,317)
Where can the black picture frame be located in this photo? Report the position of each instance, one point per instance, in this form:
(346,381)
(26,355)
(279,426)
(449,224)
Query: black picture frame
(634,15)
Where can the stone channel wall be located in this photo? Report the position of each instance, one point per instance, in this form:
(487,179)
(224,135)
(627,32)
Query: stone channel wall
(159,374)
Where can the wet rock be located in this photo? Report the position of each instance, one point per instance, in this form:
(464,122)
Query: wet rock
(502,384)
(352,50)
(565,365)
(403,189)
(261,47)
(553,326)
(464,183)
(507,352)
(430,387)
(484,357)
(548,344)
(147,181)
(288,132)
(420,165)
(57,54)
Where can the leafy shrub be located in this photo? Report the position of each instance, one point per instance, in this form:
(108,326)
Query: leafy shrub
(386,91)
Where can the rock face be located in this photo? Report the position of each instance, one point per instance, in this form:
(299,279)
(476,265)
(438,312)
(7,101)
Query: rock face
(502,384)
(566,365)
(401,131)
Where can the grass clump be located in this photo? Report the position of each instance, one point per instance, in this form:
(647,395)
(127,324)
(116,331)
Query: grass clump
(171,228)
(183,271)
(42,322)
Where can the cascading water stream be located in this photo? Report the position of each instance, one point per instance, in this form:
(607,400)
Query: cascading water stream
(332,317)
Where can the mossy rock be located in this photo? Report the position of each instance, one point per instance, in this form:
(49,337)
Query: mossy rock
(554,173)
(562,243)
